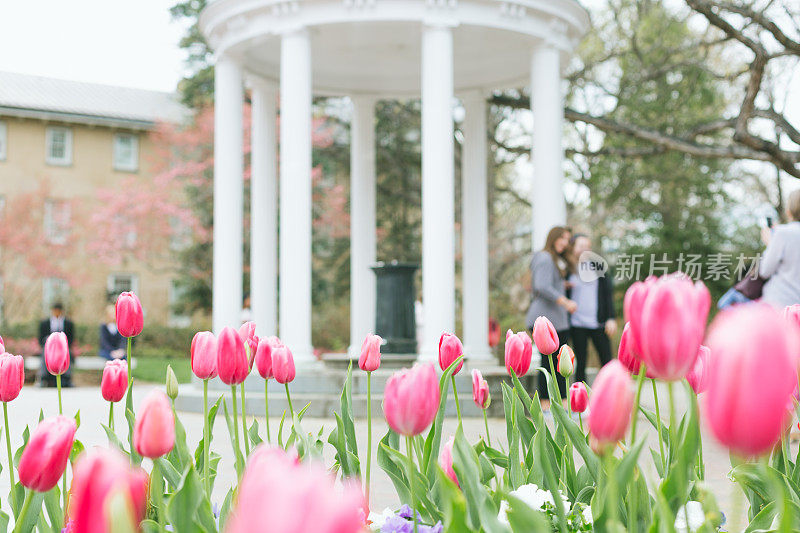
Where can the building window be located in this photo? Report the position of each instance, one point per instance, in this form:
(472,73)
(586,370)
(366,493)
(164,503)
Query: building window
(56,221)
(54,290)
(175,319)
(118,283)
(126,152)
(59,146)
(3,140)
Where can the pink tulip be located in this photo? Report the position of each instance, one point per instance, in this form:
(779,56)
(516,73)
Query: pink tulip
(411,399)
(2,345)
(698,375)
(790,313)
(610,405)
(545,336)
(247,332)
(751,379)
(204,355)
(114,383)
(279,495)
(626,354)
(130,318)
(519,350)
(12,376)
(450,349)
(578,397)
(673,323)
(446,460)
(480,390)
(56,353)
(232,364)
(370,358)
(264,358)
(632,305)
(45,457)
(566,361)
(283,364)
(154,431)
(98,476)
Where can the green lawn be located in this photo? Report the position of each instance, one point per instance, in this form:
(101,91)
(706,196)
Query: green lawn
(154,369)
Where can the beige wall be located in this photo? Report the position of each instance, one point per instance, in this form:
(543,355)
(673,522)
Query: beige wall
(23,171)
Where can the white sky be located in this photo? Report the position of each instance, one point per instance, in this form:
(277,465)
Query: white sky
(116,42)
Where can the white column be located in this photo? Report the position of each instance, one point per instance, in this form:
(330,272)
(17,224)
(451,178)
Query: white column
(475,229)
(547,104)
(438,210)
(362,221)
(264,209)
(228,195)
(295,196)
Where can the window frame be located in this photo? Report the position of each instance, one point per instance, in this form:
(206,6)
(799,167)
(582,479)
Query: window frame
(125,166)
(3,140)
(112,277)
(52,231)
(50,291)
(48,156)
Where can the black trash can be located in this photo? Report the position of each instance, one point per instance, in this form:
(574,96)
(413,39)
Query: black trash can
(395,320)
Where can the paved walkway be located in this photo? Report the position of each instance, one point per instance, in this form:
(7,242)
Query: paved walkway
(94,411)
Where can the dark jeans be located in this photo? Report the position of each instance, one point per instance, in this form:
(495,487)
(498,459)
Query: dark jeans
(580,343)
(541,382)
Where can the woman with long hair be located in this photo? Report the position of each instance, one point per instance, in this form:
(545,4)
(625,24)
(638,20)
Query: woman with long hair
(549,270)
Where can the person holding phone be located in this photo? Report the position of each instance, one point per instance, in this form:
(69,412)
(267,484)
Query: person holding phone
(780,263)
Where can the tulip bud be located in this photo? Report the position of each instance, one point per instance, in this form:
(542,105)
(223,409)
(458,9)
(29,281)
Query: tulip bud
(247,332)
(611,405)
(106,487)
(12,376)
(370,358)
(480,390)
(232,363)
(114,383)
(411,399)
(518,352)
(56,353)
(450,349)
(172,383)
(283,364)
(566,361)
(154,431)
(698,375)
(578,397)
(204,355)
(626,355)
(2,345)
(264,357)
(446,460)
(130,318)
(745,401)
(45,456)
(545,336)
(633,304)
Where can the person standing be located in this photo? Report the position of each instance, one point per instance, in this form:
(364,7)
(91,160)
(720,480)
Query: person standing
(549,268)
(57,321)
(112,344)
(595,318)
(780,264)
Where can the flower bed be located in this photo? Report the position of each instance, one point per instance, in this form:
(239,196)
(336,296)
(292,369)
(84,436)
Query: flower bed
(580,472)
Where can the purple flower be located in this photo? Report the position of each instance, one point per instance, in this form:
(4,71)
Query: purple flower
(402,523)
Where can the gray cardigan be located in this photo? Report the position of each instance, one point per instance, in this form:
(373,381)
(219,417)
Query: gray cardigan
(548,286)
(781,264)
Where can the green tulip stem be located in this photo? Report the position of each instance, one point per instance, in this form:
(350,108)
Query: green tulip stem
(369,437)
(486,425)
(238,450)
(553,373)
(289,400)
(26,505)
(580,421)
(673,429)
(206,435)
(10,456)
(128,357)
(266,409)
(244,424)
(660,437)
(64,477)
(639,383)
(455,395)
(58,386)
(111,416)
(410,449)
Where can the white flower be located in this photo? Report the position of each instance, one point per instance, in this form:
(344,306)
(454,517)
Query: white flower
(690,517)
(587,515)
(532,495)
(377,520)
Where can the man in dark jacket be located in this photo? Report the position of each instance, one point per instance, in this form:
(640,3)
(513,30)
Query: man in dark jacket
(595,318)
(57,321)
